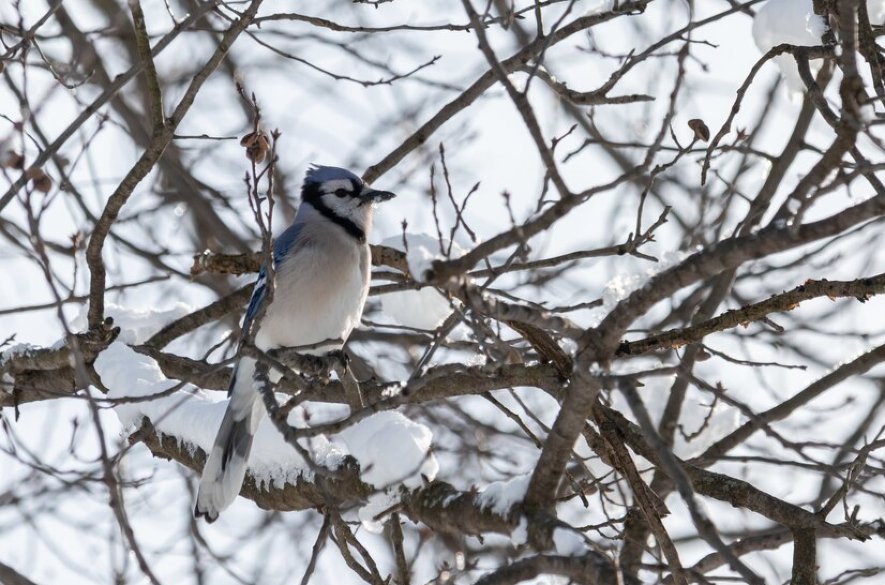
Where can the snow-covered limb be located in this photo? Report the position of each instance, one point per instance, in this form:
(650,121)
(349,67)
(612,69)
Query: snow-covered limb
(478,301)
(344,484)
(437,504)
(392,451)
(30,374)
(51,377)
(426,502)
(383,461)
(443,507)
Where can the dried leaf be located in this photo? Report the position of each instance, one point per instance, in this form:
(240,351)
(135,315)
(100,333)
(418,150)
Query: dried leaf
(701,132)
(13,160)
(43,184)
(257,146)
(34,173)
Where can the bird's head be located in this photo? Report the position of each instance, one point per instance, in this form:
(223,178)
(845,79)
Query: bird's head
(341,193)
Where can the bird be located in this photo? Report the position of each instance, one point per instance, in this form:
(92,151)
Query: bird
(321,281)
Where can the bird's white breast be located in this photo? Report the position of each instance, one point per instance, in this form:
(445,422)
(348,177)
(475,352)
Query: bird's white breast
(319,291)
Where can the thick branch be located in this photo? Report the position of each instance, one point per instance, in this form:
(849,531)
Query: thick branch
(437,504)
(46,373)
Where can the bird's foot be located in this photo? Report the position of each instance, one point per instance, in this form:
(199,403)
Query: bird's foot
(314,366)
(338,359)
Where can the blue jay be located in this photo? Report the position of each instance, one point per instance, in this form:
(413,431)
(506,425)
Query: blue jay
(321,280)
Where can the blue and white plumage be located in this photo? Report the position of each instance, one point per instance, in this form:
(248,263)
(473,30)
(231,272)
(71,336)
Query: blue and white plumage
(321,280)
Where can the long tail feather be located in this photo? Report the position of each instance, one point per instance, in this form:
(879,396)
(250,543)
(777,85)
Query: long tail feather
(225,468)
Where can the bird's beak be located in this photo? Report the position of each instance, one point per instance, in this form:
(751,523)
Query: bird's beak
(371,195)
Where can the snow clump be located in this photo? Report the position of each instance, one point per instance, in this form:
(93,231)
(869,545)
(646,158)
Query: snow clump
(501,496)
(793,22)
(393,452)
(137,326)
(425,308)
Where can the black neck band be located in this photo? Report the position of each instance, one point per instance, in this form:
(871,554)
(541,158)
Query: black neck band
(311,194)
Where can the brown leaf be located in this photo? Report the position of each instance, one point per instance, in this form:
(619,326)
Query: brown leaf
(43,184)
(257,146)
(13,160)
(248,140)
(701,132)
(34,173)
(39,180)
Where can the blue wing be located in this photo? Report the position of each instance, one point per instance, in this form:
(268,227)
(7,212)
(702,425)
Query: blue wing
(281,248)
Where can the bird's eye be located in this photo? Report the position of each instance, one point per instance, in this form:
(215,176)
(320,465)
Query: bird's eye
(342,192)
